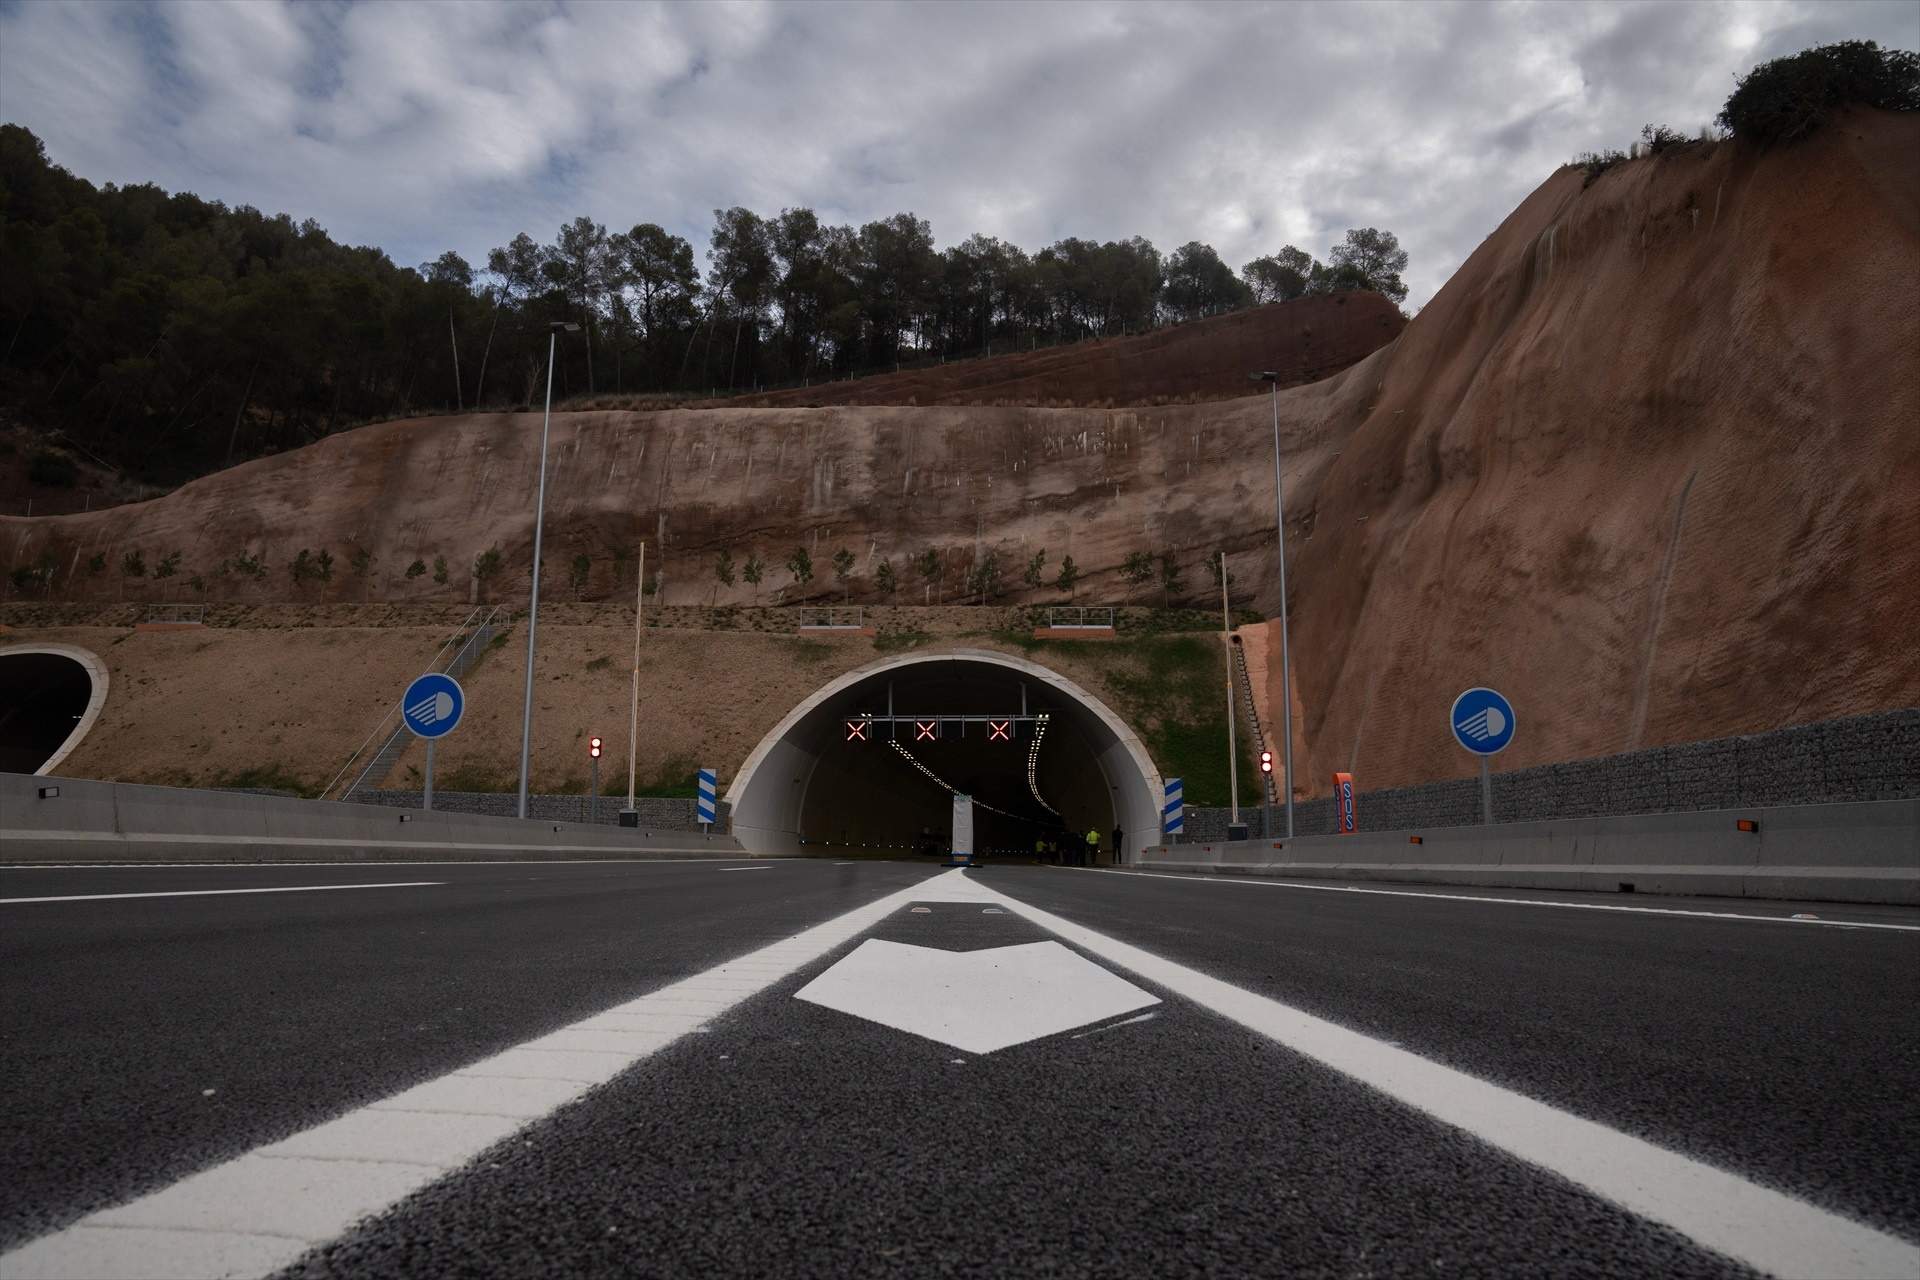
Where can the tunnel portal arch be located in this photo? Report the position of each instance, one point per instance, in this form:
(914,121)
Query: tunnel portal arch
(803,784)
(47,707)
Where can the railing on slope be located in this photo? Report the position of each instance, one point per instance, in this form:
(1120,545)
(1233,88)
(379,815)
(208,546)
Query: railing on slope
(478,631)
(1253,717)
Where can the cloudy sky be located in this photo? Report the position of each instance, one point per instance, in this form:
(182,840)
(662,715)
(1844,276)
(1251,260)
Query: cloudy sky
(420,127)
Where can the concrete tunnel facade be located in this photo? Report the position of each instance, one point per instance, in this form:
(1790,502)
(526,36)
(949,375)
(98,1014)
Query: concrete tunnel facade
(805,786)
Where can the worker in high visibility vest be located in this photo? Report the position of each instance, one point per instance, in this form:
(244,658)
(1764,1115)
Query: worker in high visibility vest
(1093,847)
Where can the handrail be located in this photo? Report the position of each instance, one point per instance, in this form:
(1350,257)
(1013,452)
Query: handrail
(433,664)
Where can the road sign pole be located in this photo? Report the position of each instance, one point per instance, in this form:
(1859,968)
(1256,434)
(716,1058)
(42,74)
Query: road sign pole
(593,812)
(1486,795)
(427,796)
(1286,655)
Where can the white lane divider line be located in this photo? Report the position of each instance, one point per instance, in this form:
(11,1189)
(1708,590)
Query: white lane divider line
(255,1214)
(744,868)
(1765,1229)
(1262,883)
(215,893)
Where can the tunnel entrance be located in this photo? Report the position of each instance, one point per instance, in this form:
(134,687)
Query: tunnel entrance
(874,759)
(49,697)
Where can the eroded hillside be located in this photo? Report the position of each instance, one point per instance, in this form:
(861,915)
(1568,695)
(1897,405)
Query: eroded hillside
(1646,464)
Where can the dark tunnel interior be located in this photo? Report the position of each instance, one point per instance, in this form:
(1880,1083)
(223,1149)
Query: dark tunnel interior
(42,697)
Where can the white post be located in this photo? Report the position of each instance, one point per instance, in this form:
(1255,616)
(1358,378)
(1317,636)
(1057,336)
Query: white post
(633,714)
(533,605)
(1233,752)
(1286,657)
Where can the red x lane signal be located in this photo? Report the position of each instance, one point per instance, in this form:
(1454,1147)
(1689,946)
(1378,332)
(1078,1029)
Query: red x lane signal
(999,731)
(926,730)
(857,730)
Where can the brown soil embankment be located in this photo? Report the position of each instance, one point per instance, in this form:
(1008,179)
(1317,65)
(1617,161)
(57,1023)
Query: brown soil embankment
(1303,341)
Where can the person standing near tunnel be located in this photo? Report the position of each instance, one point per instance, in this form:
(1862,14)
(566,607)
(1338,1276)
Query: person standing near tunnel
(1093,847)
(1114,853)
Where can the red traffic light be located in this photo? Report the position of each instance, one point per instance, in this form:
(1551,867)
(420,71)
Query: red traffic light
(1266,762)
(593,747)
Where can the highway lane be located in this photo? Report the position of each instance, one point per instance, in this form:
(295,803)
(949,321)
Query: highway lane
(122,1013)
(1788,1050)
(791,1139)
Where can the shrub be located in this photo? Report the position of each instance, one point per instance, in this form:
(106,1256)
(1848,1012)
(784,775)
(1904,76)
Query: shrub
(55,470)
(883,578)
(1656,138)
(1788,98)
(1596,163)
(362,562)
(800,565)
(487,563)
(168,566)
(578,572)
(415,569)
(133,564)
(440,570)
(97,562)
(302,566)
(249,565)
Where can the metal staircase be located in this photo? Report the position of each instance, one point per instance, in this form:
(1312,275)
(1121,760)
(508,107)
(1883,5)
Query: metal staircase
(456,657)
(1253,719)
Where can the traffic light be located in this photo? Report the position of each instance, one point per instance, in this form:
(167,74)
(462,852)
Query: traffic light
(593,747)
(1266,762)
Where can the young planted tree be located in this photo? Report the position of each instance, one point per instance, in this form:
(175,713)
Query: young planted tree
(927,565)
(754,570)
(1170,583)
(361,561)
(1214,562)
(440,570)
(1069,575)
(800,565)
(134,564)
(883,578)
(984,581)
(578,572)
(1137,568)
(842,570)
(417,569)
(1034,577)
(722,572)
(168,565)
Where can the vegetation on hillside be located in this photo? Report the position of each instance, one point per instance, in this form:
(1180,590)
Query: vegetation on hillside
(168,335)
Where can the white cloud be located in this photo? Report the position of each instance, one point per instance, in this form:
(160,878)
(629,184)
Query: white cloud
(424,126)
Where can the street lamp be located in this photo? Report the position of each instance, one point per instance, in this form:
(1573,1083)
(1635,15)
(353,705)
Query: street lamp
(554,331)
(1286,657)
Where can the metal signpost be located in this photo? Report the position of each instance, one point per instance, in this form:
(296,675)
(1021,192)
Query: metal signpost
(1266,794)
(1482,722)
(704,807)
(630,816)
(1235,831)
(431,707)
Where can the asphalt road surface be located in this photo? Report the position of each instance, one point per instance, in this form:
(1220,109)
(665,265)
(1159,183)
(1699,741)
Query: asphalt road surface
(798,1068)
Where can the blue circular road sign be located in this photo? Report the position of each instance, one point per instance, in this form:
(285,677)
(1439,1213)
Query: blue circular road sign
(432,705)
(1482,721)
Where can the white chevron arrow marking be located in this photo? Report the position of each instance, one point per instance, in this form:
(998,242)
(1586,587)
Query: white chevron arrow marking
(976,1001)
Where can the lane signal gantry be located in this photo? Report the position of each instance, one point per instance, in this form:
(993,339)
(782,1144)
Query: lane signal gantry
(859,731)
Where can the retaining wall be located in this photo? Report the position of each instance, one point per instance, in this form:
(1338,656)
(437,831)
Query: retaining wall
(1873,757)
(1866,851)
(657,813)
(122,822)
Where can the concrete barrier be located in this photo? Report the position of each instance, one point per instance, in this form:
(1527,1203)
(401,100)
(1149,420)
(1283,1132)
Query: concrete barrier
(105,822)
(1867,851)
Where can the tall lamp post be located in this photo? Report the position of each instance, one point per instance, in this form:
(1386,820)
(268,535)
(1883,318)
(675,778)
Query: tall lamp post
(1286,656)
(554,331)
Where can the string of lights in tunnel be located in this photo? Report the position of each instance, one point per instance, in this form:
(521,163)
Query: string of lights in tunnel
(1033,763)
(908,756)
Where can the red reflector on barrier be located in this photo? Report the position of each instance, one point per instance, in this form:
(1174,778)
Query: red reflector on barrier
(1747,824)
(1415,840)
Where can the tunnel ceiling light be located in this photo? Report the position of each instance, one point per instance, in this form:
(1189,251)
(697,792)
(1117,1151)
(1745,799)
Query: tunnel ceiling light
(1033,763)
(942,782)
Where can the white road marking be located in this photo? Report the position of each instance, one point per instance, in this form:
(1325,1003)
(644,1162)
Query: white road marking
(1124,1022)
(1763,1228)
(1261,883)
(255,1214)
(297,842)
(979,1001)
(707,856)
(214,893)
(746,868)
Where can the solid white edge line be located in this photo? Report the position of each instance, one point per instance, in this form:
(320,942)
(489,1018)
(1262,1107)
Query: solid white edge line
(1264,883)
(743,868)
(215,893)
(311,842)
(394,862)
(257,1213)
(1722,1211)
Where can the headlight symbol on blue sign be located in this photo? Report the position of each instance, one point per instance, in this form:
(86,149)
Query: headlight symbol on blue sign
(432,705)
(1482,721)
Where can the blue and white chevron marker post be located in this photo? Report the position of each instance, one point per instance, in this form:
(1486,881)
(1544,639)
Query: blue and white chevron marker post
(1173,815)
(705,807)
